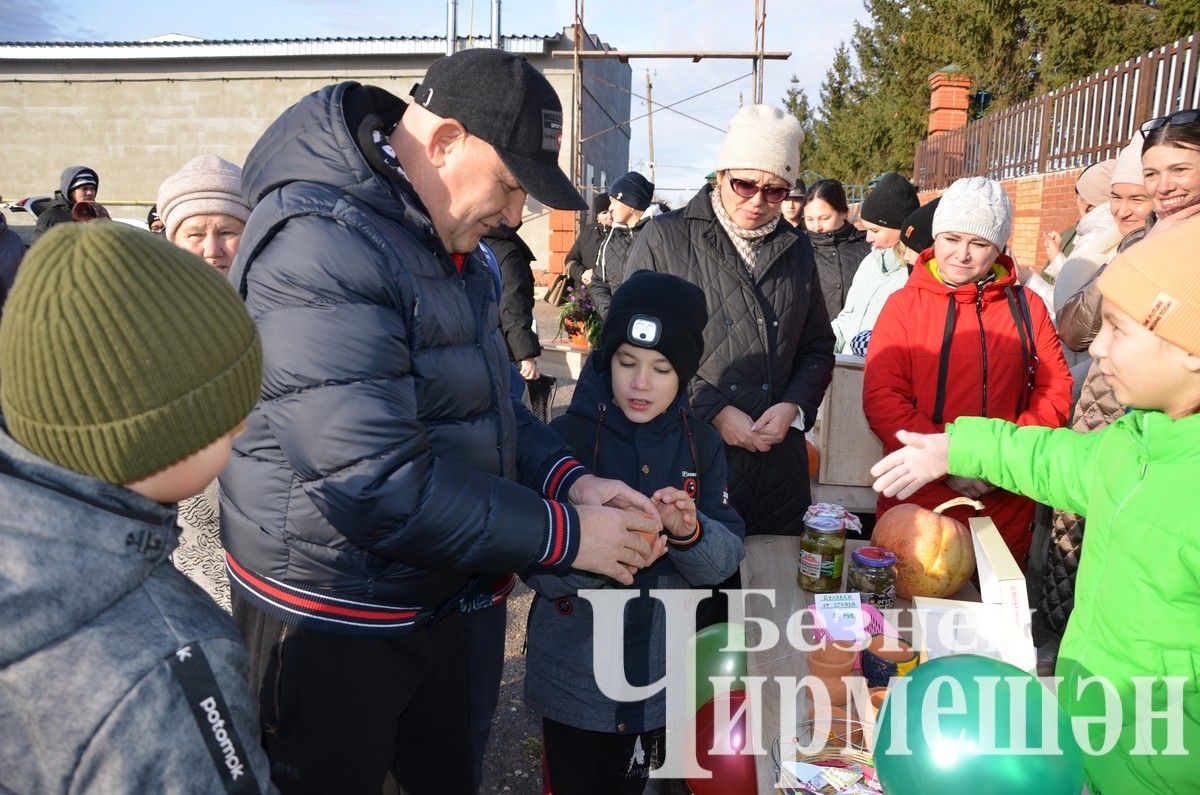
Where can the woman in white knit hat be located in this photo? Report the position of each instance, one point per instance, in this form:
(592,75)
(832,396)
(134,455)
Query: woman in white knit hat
(962,338)
(768,352)
(203,212)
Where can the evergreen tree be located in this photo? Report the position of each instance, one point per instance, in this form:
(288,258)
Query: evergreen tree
(795,102)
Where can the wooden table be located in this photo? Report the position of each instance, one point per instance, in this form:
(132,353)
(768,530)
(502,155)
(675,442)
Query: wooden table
(770,564)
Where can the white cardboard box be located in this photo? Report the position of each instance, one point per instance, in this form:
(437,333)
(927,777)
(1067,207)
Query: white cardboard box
(998,626)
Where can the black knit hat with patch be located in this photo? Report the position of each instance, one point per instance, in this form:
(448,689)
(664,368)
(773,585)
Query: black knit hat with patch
(660,312)
(917,230)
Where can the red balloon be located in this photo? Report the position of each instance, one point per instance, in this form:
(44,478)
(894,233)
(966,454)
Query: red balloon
(733,774)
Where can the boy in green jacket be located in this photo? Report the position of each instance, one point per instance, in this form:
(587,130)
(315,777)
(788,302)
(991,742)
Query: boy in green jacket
(1138,591)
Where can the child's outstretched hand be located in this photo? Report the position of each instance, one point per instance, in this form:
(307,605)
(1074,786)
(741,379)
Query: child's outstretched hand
(923,459)
(677,509)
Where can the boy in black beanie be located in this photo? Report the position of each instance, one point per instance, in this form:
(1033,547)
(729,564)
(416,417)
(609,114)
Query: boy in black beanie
(629,420)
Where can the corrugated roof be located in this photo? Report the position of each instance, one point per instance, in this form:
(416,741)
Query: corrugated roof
(183,47)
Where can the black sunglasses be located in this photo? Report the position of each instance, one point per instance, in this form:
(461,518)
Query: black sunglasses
(1189,116)
(748,190)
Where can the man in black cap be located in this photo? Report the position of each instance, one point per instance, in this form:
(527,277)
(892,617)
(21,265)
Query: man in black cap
(76,184)
(385,471)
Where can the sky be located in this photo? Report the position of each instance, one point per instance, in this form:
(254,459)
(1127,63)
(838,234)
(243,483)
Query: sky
(685,149)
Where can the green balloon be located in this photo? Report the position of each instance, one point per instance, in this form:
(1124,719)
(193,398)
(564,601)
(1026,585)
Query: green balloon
(710,657)
(963,728)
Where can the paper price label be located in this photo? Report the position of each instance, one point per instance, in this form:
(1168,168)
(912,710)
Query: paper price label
(842,615)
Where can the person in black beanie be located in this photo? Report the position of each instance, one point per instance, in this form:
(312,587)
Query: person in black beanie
(155,222)
(585,252)
(883,270)
(885,208)
(630,196)
(916,232)
(629,417)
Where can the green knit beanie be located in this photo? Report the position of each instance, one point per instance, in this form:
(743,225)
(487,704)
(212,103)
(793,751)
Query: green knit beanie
(121,354)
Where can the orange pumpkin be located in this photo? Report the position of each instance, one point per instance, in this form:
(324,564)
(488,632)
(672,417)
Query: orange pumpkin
(934,554)
(814,459)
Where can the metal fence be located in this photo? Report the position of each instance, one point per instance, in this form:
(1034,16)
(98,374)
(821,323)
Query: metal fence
(1079,124)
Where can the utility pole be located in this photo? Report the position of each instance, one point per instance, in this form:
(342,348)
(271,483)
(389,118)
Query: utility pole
(650,122)
(577,122)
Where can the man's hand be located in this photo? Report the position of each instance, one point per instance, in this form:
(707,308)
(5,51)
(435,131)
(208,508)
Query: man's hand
(969,487)
(586,276)
(773,425)
(736,429)
(528,368)
(678,511)
(922,460)
(593,490)
(607,546)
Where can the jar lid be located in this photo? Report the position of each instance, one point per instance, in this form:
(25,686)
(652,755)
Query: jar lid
(875,557)
(824,524)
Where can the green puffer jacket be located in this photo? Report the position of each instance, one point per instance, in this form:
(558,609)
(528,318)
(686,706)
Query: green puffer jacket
(1138,588)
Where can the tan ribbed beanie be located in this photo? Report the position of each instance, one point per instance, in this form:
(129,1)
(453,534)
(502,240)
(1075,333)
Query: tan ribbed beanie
(121,354)
(1156,281)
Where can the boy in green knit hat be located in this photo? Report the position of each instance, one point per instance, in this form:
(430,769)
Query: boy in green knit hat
(1134,626)
(127,366)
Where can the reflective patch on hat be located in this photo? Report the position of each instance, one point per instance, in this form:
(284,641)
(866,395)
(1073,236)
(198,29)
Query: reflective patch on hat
(644,331)
(1162,306)
(552,130)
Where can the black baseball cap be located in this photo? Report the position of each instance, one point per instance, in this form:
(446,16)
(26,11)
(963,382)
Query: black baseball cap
(499,98)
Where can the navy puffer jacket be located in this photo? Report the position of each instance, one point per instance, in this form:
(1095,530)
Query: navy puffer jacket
(377,471)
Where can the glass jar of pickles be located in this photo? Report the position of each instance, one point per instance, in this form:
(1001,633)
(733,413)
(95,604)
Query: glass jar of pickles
(873,574)
(822,554)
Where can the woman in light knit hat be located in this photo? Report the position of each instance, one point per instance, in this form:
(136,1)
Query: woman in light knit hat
(768,352)
(963,338)
(203,212)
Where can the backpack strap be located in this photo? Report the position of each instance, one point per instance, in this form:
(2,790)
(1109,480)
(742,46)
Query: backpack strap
(939,402)
(1018,306)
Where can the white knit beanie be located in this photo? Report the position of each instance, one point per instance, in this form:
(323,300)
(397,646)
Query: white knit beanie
(1128,170)
(975,206)
(206,185)
(763,138)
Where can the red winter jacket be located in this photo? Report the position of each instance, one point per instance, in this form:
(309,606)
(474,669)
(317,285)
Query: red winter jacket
(986,374)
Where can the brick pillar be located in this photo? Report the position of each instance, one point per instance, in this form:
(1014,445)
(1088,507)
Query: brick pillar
(562,237)
(949,100)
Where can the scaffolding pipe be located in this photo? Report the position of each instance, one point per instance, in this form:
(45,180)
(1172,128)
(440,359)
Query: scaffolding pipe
(496,24)
(451,26)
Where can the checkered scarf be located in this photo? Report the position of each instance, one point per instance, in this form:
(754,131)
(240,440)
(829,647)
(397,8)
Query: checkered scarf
(746,241)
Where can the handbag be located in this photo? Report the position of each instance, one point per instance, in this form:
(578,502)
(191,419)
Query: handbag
(556,294)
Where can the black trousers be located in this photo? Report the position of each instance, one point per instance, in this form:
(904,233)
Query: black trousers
(338,712)
(582,762)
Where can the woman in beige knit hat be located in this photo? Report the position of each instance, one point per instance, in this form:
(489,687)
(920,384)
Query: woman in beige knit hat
(203,212)
(768,354)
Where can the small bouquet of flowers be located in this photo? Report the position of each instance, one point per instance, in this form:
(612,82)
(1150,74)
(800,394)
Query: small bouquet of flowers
(579,318)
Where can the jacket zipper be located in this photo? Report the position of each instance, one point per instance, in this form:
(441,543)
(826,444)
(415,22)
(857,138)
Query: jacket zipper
(982,346)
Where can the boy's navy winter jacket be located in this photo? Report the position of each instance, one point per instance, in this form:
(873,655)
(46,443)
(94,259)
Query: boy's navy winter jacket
(674,449)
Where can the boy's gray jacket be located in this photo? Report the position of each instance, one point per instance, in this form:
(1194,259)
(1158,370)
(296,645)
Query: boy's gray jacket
(92,615)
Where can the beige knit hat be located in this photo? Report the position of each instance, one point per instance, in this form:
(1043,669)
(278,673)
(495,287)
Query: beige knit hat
(1128,169)
(763,138)
(206,185)
(1093,185)
(1156,281)
(975,206)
